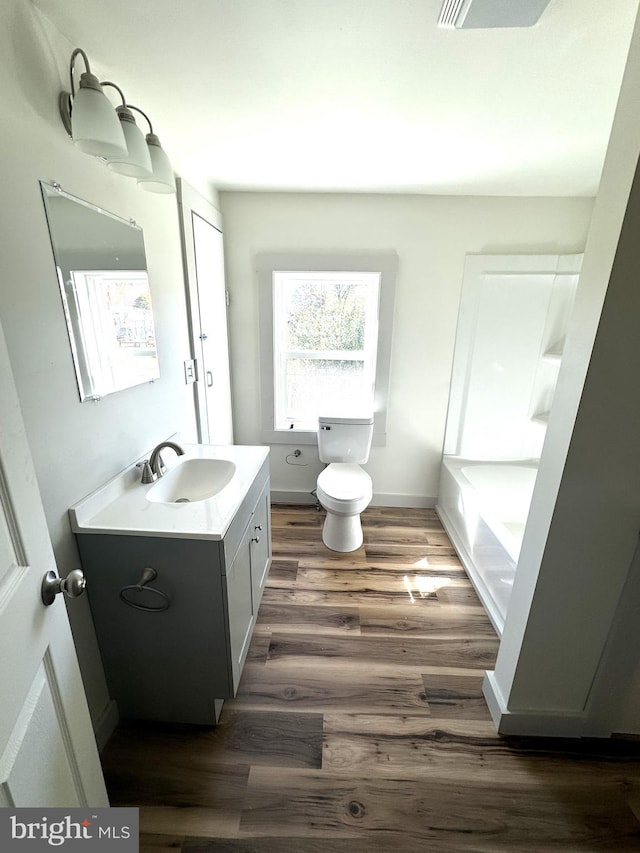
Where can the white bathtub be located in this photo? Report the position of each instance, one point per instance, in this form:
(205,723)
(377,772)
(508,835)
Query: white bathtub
(484,507)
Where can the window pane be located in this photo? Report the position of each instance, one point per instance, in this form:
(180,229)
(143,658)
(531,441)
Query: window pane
(324,315)
(324,347)
(323,386)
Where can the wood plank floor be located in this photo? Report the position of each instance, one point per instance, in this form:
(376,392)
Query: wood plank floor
(360,724)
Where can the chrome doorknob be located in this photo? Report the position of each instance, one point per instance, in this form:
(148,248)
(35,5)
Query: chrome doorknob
(72,586)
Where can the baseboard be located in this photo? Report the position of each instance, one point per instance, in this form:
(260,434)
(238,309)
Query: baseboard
(106,723)
(409,501)
(534,723)
(282,497)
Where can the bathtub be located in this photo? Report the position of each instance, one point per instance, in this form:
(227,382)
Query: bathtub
(484,507)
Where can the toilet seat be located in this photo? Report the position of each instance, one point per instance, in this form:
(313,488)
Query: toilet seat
(343,483)
(344,490)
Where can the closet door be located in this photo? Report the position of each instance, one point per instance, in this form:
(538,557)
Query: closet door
(201,227)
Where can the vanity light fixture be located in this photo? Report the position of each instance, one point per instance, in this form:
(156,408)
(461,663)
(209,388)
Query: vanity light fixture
(136,161)
(161,179)
(112,134)
(89,116)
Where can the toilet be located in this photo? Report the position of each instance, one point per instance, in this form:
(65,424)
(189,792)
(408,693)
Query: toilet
(343,488)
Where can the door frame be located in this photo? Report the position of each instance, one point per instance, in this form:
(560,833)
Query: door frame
(190,201)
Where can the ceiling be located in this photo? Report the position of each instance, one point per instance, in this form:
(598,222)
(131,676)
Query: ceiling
(364,95)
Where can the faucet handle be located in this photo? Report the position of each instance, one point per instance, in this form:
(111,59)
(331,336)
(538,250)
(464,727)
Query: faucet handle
(147,474)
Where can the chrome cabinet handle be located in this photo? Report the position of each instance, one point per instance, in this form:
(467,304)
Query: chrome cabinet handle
(255,539)
(209,379)
(72,586)
(258,527)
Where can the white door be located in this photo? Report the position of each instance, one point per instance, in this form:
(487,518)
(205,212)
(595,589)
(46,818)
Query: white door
(48,754)
(201,226)
(213,330)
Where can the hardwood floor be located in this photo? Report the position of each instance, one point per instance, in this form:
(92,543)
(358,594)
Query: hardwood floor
(360,725)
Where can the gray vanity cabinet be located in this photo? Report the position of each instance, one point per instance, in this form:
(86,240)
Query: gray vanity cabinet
(240,606)
(260,546)
(178,664)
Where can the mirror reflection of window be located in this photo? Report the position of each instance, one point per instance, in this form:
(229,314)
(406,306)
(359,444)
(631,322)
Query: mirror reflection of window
(116,324)
(101,270)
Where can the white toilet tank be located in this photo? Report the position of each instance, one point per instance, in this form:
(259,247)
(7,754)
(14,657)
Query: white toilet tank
(344,439)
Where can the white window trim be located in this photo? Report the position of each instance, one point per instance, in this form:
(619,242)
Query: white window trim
(385,263)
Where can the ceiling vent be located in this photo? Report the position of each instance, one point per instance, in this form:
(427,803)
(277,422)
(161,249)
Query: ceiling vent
(479,14)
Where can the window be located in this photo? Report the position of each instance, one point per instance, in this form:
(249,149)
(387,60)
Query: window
(325,341)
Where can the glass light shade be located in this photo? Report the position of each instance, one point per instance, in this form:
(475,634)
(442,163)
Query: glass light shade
(95,127)
(137,161)
(162,180)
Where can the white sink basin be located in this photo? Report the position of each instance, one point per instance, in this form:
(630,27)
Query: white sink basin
(214,479)
(192,480)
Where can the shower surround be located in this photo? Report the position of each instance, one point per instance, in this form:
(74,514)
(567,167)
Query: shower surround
(513,317)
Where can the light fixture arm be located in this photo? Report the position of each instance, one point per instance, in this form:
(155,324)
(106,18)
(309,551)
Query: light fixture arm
(146,117)
(76,52)
(124,104)
(65,99)
(104,83)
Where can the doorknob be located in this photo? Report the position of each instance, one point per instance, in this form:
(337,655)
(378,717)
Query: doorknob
(72,586)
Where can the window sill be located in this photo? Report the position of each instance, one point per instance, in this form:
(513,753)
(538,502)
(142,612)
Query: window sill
(299,436)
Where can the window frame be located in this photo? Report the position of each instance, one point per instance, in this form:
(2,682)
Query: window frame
(384,263)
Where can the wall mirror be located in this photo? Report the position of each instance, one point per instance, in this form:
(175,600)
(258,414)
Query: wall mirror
(102,274)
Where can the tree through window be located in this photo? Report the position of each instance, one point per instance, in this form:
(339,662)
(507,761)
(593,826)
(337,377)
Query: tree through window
(326,323)
(325,329)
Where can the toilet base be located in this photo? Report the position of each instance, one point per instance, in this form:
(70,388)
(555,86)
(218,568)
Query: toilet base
(342,532)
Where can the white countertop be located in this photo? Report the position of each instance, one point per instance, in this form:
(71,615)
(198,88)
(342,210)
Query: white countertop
(120,506)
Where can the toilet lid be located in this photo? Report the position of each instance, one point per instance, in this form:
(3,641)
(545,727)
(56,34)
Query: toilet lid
(345,481)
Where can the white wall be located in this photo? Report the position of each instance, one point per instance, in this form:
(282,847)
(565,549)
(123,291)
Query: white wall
(431,236)
(569,652)
(76,446)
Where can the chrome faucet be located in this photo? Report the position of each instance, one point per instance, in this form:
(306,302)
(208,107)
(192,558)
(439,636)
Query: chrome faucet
(155,465)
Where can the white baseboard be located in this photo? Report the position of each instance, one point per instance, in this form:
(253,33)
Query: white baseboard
(282,497)
(410,501)
(535,723)
(106,723)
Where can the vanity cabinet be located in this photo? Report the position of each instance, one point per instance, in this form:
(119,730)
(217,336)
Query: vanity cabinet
(179,652)
(245,581)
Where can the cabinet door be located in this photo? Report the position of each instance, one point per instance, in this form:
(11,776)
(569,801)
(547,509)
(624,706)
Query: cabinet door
(260,529)
(240,605)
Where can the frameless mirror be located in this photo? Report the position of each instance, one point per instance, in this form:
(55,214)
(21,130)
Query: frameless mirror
(102,274)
